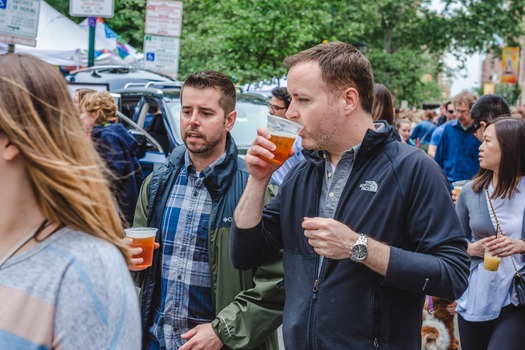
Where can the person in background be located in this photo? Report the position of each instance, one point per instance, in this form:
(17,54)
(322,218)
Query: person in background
(116,146)
(383,107)
(422,132)
(64,281)
(403,127)
(357,261)
(457,151)
(278,105)
(486,109)
(79,95)
(446,113)
(489,315)
(279,102)
(192,296)
(436,135)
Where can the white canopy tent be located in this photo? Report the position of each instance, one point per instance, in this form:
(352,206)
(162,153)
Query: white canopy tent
(62,42)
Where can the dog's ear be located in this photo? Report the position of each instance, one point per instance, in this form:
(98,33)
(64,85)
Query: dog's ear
(429,331)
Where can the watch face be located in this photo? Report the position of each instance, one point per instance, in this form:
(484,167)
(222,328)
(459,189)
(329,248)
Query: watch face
(359,251)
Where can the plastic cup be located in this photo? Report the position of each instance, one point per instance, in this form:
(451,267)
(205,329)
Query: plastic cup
(457,189)
(283,134)
(490,262)
(143,237)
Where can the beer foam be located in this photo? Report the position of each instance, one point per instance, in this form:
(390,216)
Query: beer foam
(283,134)
(141,232)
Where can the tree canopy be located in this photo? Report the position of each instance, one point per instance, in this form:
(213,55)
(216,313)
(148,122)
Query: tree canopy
(406,39)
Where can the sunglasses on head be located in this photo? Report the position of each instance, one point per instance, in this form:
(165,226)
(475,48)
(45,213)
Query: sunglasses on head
(492,120)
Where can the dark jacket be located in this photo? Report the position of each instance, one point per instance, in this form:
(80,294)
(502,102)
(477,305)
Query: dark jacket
(119,150)
(249,303)
(395,194)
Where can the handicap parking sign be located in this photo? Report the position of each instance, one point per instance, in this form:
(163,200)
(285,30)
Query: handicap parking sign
(150,56)
(3,4)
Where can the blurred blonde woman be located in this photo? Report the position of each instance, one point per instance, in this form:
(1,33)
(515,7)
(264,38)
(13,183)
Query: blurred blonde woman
(64,281)
(116,146)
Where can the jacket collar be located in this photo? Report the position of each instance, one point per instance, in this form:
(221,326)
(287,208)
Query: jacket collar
(220,178)
(372,142)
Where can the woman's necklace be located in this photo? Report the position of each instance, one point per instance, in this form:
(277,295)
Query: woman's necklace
(24,241)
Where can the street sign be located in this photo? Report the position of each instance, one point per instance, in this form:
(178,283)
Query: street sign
(91,8)
(162,53)
(163,17)
(19,21)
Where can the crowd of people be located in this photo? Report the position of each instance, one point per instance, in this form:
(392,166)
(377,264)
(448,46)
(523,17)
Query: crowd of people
(341,244)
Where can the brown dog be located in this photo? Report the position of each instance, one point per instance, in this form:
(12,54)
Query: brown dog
(439,309)
(434,335)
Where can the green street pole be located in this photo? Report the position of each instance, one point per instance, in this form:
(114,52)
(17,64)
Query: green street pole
(91,49)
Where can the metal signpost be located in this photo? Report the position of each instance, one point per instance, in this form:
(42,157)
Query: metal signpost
(162,28)
(19,22)
(91,9)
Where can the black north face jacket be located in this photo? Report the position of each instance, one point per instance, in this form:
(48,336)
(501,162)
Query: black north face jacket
(395,194)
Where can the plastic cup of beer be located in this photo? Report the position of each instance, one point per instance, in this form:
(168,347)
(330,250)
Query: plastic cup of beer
(283,134)
(458,185)
(457,189)
(490,262)
(143,237)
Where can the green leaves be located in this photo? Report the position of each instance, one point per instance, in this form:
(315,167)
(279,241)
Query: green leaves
(249,39)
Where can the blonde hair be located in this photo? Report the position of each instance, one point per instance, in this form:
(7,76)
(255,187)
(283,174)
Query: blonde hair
(103,102)
(38,116)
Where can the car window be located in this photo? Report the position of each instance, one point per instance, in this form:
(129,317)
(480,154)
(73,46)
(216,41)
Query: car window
(129,106)
(250,116)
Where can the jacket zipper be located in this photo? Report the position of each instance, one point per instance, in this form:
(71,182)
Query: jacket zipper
(315,289)
(311,326)
(376,326)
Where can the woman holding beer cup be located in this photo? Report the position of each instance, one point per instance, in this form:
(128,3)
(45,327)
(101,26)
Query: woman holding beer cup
(64,282)
(489,314)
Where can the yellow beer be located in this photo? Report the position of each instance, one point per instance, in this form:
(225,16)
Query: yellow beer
(283,143)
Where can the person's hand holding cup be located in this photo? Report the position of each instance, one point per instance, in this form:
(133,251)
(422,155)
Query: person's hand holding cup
(490,262)
(283,133)
(457,185)
(142,243)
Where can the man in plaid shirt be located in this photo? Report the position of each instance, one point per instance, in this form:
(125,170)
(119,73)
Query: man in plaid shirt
(192,296)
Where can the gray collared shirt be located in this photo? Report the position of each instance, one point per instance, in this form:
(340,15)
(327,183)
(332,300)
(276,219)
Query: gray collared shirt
(335,179)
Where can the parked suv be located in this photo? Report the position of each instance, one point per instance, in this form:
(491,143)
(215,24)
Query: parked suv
(116,76)
(154,110)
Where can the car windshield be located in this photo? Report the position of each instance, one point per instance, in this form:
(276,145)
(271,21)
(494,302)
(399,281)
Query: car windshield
(250,116)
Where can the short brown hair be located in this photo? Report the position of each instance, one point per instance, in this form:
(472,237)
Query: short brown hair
(102,102)
(342,66)
(212,79)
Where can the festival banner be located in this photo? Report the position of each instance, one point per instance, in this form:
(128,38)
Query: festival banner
(509,60)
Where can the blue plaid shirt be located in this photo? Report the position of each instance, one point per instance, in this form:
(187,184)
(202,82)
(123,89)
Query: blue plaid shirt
(186,295)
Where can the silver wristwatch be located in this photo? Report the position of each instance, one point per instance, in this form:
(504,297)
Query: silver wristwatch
(359,251)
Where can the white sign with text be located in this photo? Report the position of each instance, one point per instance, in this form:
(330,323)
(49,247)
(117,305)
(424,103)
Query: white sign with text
(163,17)
(19,21)
(92,8)
(161,53)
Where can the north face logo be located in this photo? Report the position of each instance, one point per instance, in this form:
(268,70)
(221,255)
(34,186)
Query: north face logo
(370,186)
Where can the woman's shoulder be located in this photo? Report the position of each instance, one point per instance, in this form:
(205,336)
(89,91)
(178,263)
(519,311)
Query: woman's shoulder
(86,248)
